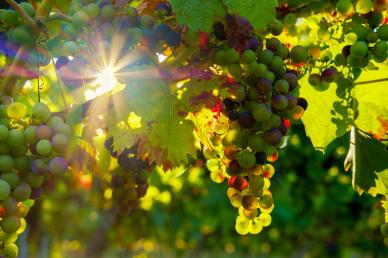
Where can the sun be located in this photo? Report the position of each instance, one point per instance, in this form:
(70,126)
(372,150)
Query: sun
(106,79)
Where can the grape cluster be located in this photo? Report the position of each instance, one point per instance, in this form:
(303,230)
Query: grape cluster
(129,180)
(32,150)
(264,99)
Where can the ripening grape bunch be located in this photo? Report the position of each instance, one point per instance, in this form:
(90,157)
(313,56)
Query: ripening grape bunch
(32,150)
(264,101)
(129,180)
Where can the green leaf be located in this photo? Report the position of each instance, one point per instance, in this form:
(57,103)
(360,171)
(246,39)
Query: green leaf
(319,116)
(198,15)
(164,135)
(372,103)
(258,13)
(369,163)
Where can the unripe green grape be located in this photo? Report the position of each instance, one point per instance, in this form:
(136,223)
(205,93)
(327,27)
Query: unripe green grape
(375,19)
(23,164)
(277,64)
(261,70)
(9,18)
(383,32)
(15,137)
(92,10)
(54,120)
(250,68)
(44,132)
(350,38)
(282,86)
(279,102)
(339,60)
(256,142)
(242,225)
(235,70)
(269,76)
(255,226)
(10,251)
(220,57)
(236,200)
(359,49)
(22,35)
(28,8)
(248,56)
(80,19)
(60,142)
(22,192)
(10,205)
(355,61)
(253,94)
(276,27)
(43,147)
(107,12)
(16,110)
(70,48)
(290,19)
(20,150)
(265,219)
(344,7)
(282,51)
(249,202)
(265,56)
(30,134)
(266,201)
(35,180)
(274,121)
(372,37)
(364,6)
(323,34)
(3,132)
(232,56)
(261,112)
(361,32)
(380,58)
(240,93)
(5,189)
(6,163)
(246,159)
(10,224)
(41,111)
(4,148)
(11,178)
(8,238)
(298,54)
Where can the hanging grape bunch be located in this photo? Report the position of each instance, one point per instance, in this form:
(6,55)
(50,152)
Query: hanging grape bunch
(32,149)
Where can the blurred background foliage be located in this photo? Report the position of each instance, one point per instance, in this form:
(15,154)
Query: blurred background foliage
(186,214)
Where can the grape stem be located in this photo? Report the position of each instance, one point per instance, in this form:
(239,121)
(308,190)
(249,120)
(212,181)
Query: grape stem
(59,16)
(371,81)
(44,9)
(29,21)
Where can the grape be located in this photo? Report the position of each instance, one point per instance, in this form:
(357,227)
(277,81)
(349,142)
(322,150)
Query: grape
(248,56)
(282,51)
(41,112)
(375,19)
(250,214)
(303,103)
(38,166)
(315,79)
(255,226)
(266,201)
(323,34)
(276,27)
(277,65)
(10,251)
(364,6)
(344,7)
(256,142)
(290,19)
(30,134)
(15,137)
(265,56)
(173,38)
(10,205)
(280,102)
(359,49)
(35,180)
(44,132)
(161,31)
(43,147)
(292,80)
(246,159)
(9,18)
(6,163)
(62,128)
(60,142)
(8,238)
(16,110)
(384,229)
(70,48)
(264,85)
(3,132)
(230,151)
(298,54)
(382,32)
(245,119)
(274,121)
(238,183)
(249,202)
(92,10)
(107,13)
(261,112)
(5,189)
(58,165)
(22,192)
(80,19)
(265,219)
(232,56)
(329,74)
(10,224)
(242,229)
(291,100)
(273,136)
(354,61)
(11,178)
(236,71)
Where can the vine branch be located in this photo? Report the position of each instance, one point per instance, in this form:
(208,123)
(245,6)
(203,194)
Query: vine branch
(371,81)
(29,21)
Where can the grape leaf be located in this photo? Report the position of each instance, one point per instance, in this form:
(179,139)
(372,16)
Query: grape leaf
(372,103)
(369,163)
(257,13)
(319,116)
(164,135)
(198,15)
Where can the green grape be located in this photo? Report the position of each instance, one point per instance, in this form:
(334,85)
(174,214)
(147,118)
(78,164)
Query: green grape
(256,182)
(380,59)
(35,180)
(256,142)
(70,48)
(236,200)
(235,70)
(23,164)
(344,7)
(23,225)
(246,159)
(10,251)
(282,51)
(43,147)
(339,60)
(253,94)
(220,57)
(41,111)
(323,34)
(15,138)
(134,36)
(355,61)
(233,137)
(290,19)
(361,32)
(375,19)
(270,76)
(265,56)
(5,189)
(265,219)
(8,238)
(6,163)
(364,6)
(384,229)
(249,202)
(248,56)
(107,12)
(212,164)
(60,142)
(240,93)
(350,38)
(298,54)
(22,192)
(372,37)
(16,110)
(261,70)
(80,19)
(30,134)
(255,226)
(11,178)
(9,18)
(282,86)
(92,10)
(28,8)
(359,49)
(4,148)
(242,225)
(276,27)
(266,201)
(383,32)
(146,22)
(22,35)
(274,121)
(10,205)
(3,132)
(261,112)
(231,56)
(250,68)
(10,224)
(277,65)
